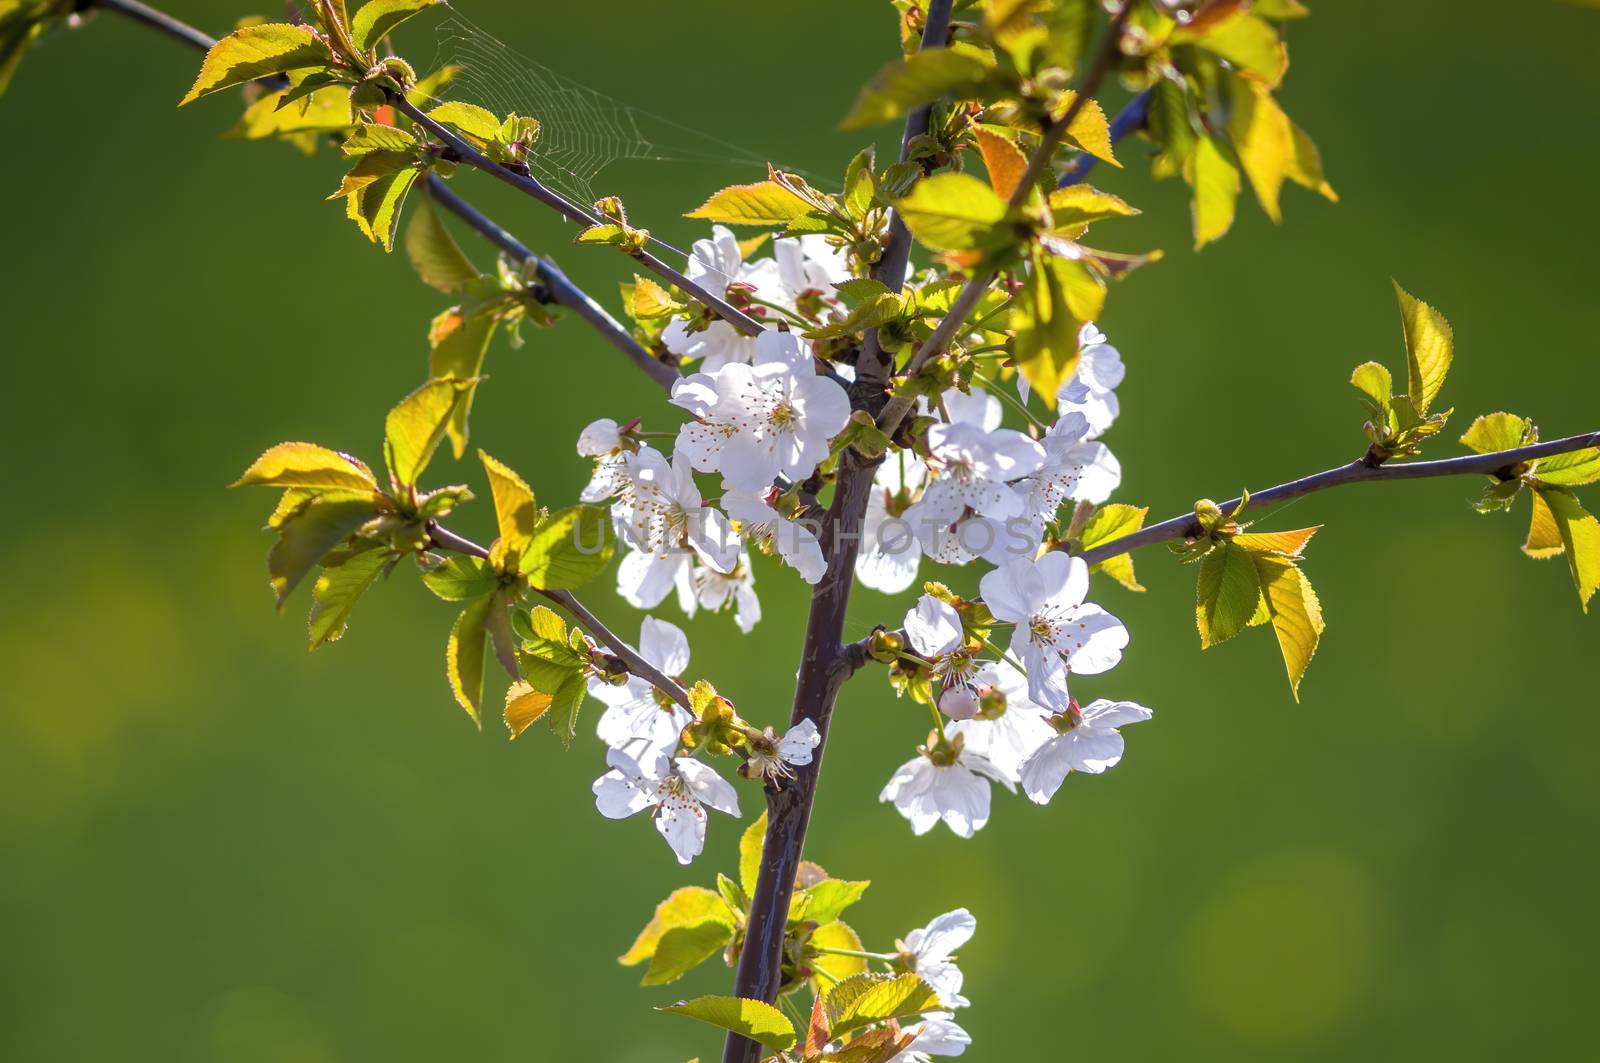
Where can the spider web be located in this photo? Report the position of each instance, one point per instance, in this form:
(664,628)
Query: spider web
(583,132)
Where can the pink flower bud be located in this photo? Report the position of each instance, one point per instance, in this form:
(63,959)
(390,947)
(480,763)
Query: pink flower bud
(960,702)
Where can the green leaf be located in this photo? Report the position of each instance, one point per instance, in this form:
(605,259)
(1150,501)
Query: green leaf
(763,203)
(514,508)
(1570,470)
(684,948)
(1226,595)
(750,843)
(434,253)
(376,208)
(1263,137)
(470,120)
(324,111)
(373,137)
(835,935)
(686,906)
(337,590)
(1499,431)
(865,999)
(1290,544)
(1374,381)
(1249,43)
(460,341)
(460,578)
(308,465)
(1580,537)
(524,706)
(257,52)
(464,652)
(315,528)
(1544,535)
(907,84)
(1215,180)
(952,212)
(1078,206)
(1046,347)
(759,1021)
(379,18)
(415,427)
(1296,614)
(568,549)
(1112,522)
(1429,349)
(829,898)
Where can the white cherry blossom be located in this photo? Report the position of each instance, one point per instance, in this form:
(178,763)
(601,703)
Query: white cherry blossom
(602,440)
(1091,390)
(1084,740)
(763,525)
(756,421)
(954,788)
(636,710)
(677,790)
(890,552)
(773,758)
(1007,726)
(1056,631)
(973,470)
(660,513)
(929,953)
(936,1035)
(715,591)
(714,264)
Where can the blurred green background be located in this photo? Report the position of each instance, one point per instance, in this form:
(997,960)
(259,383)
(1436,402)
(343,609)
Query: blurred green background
(218,847)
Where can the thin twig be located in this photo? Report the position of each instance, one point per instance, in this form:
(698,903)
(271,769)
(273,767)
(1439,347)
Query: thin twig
(531,186)
(446,539)
(970,295)
(1502,464)
(561,287)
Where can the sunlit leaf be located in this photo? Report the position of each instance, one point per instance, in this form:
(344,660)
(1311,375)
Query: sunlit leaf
(952,211)
(750,843)
(835,935)
(1215,180)
(1544,535)
(1004,161)
(524,706)
(1289,543)
(1263,138)
(1573,469)
(308,465)
(683,948)
(686,906)
(434,253)
(415,427)
(1580,536)
(317,526)
(908,83)
(257,52)
(514,507)
(1295,611)
(337,590)
(464,652)
(864,1000)
(759,1021)
(378,18)
(762,203)
(569,548)
(1226,594)
(1429,349)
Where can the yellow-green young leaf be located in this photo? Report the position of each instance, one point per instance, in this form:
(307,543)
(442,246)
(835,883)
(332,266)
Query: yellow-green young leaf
(337,590)
(415,427)
(1374,381)
(1296,614)
(684,907)
(514,506)
(317,526)
(1263,139)
(750,843)
(547,624)
(650,300)
(1172,125)
(459,342)
(1046,349)
(308,465)
(435,255)
(1499,431)
(468,119)
(1429,349)
(1113,522)
(1544,536)
(524,706)
(257,52)
(376,208)
(463,656)
(1249,43)
(565,701)
(835,935)
(1570,470)
(459,578)
(684,948)
(1289,543)
(431,87)
(1080,205)
(324,111)
(861,1002)
(378,18)
(1305,165)
(907,84)
(1089,131)
(1226,593)
(763,203)
(1120,568)
(755,1019)
(568,549)
(952,211)
(830,897)
(1005,161)
(1215,181)
(374,137)
(1580,535)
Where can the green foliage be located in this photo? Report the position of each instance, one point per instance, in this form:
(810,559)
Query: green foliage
(416,426)
(1398,424)
(345,577)
(761,1022)
(954,212)
(376,19)
(908,83)
(1109,523)
(867,999)
(763,203)
(569,548)
(389,162)
(555,663)
(257,52)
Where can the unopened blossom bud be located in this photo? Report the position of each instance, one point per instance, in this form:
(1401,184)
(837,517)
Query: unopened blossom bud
(885,645)
(960,702)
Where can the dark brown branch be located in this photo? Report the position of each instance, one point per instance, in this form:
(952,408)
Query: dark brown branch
(445,539)
(1040,161)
